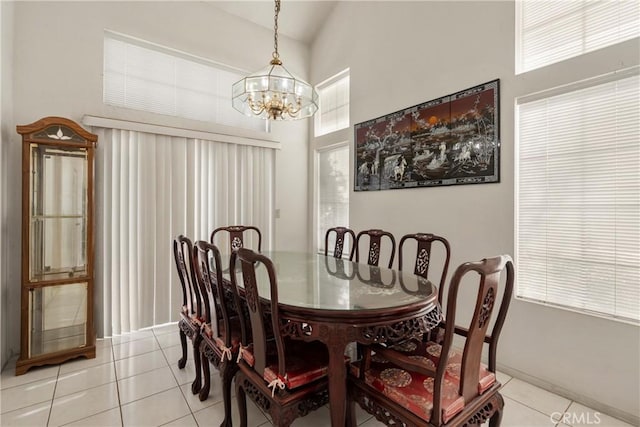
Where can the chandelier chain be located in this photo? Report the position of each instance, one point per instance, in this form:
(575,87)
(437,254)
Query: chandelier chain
(275,28)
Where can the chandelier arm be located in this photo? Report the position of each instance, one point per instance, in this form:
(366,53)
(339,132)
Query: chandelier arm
(293,111)
(257,107)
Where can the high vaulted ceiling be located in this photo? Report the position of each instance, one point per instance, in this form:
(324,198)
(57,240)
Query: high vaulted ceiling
(298,19)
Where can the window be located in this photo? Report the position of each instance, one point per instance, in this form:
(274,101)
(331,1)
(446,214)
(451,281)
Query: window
(147,77)
(551,31)
(578,196)
(333,191)
(333,113)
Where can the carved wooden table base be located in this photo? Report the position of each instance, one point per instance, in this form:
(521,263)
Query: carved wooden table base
(337,334)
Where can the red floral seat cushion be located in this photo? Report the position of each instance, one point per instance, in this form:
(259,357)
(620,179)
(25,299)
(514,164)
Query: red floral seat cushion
(219,340)
(413,390)
(306,362)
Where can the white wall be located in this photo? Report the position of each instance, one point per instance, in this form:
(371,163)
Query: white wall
(404,53)
(57,70)
(9,244)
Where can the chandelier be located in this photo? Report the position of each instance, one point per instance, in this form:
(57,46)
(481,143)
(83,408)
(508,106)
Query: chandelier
(273,93)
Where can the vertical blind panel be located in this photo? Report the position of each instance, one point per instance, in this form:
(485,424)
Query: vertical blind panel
(333,193)
(234,198)
(334,107)
(152,188)
(552,31)
(579,199)
(145,77)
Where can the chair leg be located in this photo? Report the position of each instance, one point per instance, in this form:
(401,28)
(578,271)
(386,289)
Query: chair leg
(275,418)
(227,371)
(206,373)
(242,401)
(496,419)
(197,382)
(183,342)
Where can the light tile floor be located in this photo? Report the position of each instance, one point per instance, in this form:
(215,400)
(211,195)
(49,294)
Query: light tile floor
(135,381)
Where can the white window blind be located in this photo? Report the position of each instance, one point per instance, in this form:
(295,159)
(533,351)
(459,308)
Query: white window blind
(578,197)
(149,189)
(552,31)
(333,113)
(333,192)
(147,77)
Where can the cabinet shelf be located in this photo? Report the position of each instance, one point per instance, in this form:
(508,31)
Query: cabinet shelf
(40,217)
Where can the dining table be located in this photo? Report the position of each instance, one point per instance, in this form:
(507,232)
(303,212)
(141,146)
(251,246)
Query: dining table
(338,302)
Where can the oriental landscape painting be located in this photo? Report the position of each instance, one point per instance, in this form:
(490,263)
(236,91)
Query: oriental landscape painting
(450,140)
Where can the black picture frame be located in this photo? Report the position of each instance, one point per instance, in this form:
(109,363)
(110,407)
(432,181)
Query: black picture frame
(451,140)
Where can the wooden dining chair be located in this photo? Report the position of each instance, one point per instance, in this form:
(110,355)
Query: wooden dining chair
(220,334)
(425,383)
(236,236)
(286,378)
(191,311)
(375,242)
(423,256)
(338,248)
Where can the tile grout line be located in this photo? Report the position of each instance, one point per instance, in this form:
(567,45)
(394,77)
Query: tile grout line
(53,396)
(178,383)
(115,371)
(89,388)
(532,408)
(571,402)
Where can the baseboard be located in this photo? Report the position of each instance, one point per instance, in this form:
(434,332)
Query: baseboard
(579,398)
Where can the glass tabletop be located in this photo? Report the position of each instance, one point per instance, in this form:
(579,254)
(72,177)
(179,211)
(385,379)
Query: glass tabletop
(326,283)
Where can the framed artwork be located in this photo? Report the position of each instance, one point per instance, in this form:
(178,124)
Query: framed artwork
(447,141)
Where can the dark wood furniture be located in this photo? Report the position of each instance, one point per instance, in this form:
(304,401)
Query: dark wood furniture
(57,243)
(318,304)
(425,383)
(286,378)
(220,334)
(375,241)
(424,243)
(338,248)
(191,315)
(236,236)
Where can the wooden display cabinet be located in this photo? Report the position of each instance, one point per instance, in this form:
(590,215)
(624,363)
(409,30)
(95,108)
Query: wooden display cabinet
(57,243)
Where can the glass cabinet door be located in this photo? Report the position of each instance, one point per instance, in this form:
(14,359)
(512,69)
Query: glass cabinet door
(58,213)
(58,318)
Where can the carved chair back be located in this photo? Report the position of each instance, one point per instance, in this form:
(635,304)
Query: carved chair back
(489,272)
(246,260)
(340,234)
(236,235)
(285,377)
(423,256)
(475,383)
(183,256)
(216,302)
(375,242)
